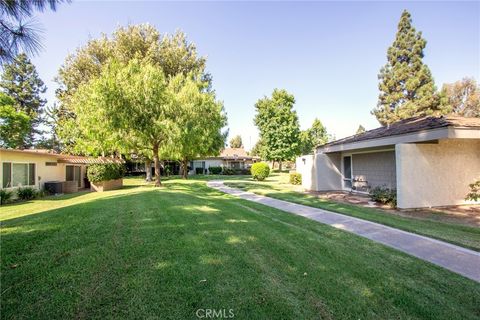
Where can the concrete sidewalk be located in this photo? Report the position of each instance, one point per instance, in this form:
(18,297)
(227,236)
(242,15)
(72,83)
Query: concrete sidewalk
(454,258)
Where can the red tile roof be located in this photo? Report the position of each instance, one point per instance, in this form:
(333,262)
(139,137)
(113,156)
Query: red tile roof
(66,158)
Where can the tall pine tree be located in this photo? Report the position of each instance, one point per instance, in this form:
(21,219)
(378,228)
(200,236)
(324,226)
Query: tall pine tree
(20,81)
(406,85)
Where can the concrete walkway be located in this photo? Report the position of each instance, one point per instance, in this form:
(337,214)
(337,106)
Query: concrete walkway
(454,258)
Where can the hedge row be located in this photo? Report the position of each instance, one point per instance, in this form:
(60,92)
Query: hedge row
(104,172)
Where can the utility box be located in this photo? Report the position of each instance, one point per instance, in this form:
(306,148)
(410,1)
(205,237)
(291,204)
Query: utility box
(54,187)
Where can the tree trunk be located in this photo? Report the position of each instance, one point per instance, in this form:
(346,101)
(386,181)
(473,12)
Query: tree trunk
(280,166)
(148,170)
(184,168)
(273,165)
(156,162)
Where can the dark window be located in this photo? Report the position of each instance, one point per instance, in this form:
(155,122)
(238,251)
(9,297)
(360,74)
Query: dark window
(7,174)
(70,175)
(347,171)
(31,174)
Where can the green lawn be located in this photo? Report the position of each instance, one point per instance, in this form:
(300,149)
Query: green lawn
(143,252)
(277,186)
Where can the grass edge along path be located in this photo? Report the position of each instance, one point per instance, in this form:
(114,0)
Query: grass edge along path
(461,235)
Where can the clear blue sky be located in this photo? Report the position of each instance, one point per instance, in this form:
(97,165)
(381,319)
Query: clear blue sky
(327,54)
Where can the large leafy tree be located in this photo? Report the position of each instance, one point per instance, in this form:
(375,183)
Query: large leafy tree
(17,31)
(127,102)
(199,119)
(314,136)
(406,85)
(171,53)
(278,126)
(236,142)
(462,97)
(20,80)
(14,124)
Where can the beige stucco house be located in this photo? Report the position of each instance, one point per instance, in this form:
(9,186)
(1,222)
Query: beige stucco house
(232,158)
(34,167)
(429,161)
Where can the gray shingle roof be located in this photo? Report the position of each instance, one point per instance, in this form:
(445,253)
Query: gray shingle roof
(410,125)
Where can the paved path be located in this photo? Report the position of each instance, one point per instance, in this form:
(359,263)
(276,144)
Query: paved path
(454,258)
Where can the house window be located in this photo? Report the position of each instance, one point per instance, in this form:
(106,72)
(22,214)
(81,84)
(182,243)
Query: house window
(18,174)
(50,164)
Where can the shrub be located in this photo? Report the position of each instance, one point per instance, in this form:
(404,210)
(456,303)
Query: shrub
(26,193)
(198,170)
(232,171)
(5,196)
(384,195)
(215,170)
(295,178)
(260,171)
(474,194)
(105,171)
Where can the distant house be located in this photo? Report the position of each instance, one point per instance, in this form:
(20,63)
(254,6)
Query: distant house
(35,167)
(429,161)
(232,158)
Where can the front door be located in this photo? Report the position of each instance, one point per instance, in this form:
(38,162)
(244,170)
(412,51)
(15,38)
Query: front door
(347,172)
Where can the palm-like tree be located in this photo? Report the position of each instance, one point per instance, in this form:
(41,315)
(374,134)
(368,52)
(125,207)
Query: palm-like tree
(18,32)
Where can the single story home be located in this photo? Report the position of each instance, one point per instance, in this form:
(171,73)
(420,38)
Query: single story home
(35,167)
(430,161)
(232,158)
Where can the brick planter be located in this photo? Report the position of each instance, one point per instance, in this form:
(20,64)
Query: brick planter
(106,185)
(70,186)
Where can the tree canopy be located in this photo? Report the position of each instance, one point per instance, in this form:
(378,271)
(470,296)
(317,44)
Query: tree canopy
(128,102)
(199,118)
(20,81)
(236,142)
(14,124)
(173,54)
(314,136)
(462,97)
(406,85)
(278,126)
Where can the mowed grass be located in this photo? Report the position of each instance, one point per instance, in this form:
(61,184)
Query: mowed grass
(277,186)
(143,252)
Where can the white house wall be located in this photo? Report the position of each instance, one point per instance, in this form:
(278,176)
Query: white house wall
(43,172)
(323,172)
(431,175)
(304,166)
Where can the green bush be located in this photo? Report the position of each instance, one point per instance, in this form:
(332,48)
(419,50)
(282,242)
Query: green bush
(474,194)
(295,178)
(105,171)
(384,195)
(215,170)
(199,171)
(260,171)
(5,196)
(26,193)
